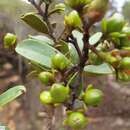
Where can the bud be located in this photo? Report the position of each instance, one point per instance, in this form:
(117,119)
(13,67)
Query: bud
(9,40)
(73,20)
(115,23)
(46,77)
(96,11)
(59,62)
(76,3)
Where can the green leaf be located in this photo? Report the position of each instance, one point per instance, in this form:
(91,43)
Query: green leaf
(59,8)
(63,47)
(99,69)
(35,22)
(79,36)
(73,54)
(42,38)
(95,38)
(37,51)
(11,94)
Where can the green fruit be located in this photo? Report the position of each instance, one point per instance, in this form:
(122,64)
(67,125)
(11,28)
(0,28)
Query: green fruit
(46,77)
(115,23)
(76,3)
(73,20)
(76,120)
(59,93)
(125,63)
(59,62)
(93,97)
(45,97)
(9,40)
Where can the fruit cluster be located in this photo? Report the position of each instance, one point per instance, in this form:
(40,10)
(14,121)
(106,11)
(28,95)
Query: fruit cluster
(59,93)
(118,32)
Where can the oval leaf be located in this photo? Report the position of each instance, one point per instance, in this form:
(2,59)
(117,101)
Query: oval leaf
(11,94)
(37,51)
(42,38)
(73,54)
(79,36)
(95,38)
(35,22)
(63,47)
(99,69)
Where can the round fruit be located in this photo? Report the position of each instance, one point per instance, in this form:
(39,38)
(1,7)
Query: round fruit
(73,19)
(9,40)
(45,97)
(76,3)
(59,93)
(125,63)
(93,97)
(115,23)
(77,120)
(59,62)
(46,77)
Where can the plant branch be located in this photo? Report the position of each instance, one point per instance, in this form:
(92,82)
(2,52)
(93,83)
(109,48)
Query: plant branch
(48,22)
(73,40)
(85,50)
(40,11)
(44,15)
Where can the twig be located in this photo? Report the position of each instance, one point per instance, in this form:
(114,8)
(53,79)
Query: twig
(73,40)
(48,22)
(44,15)
(38,8)
(85,49)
